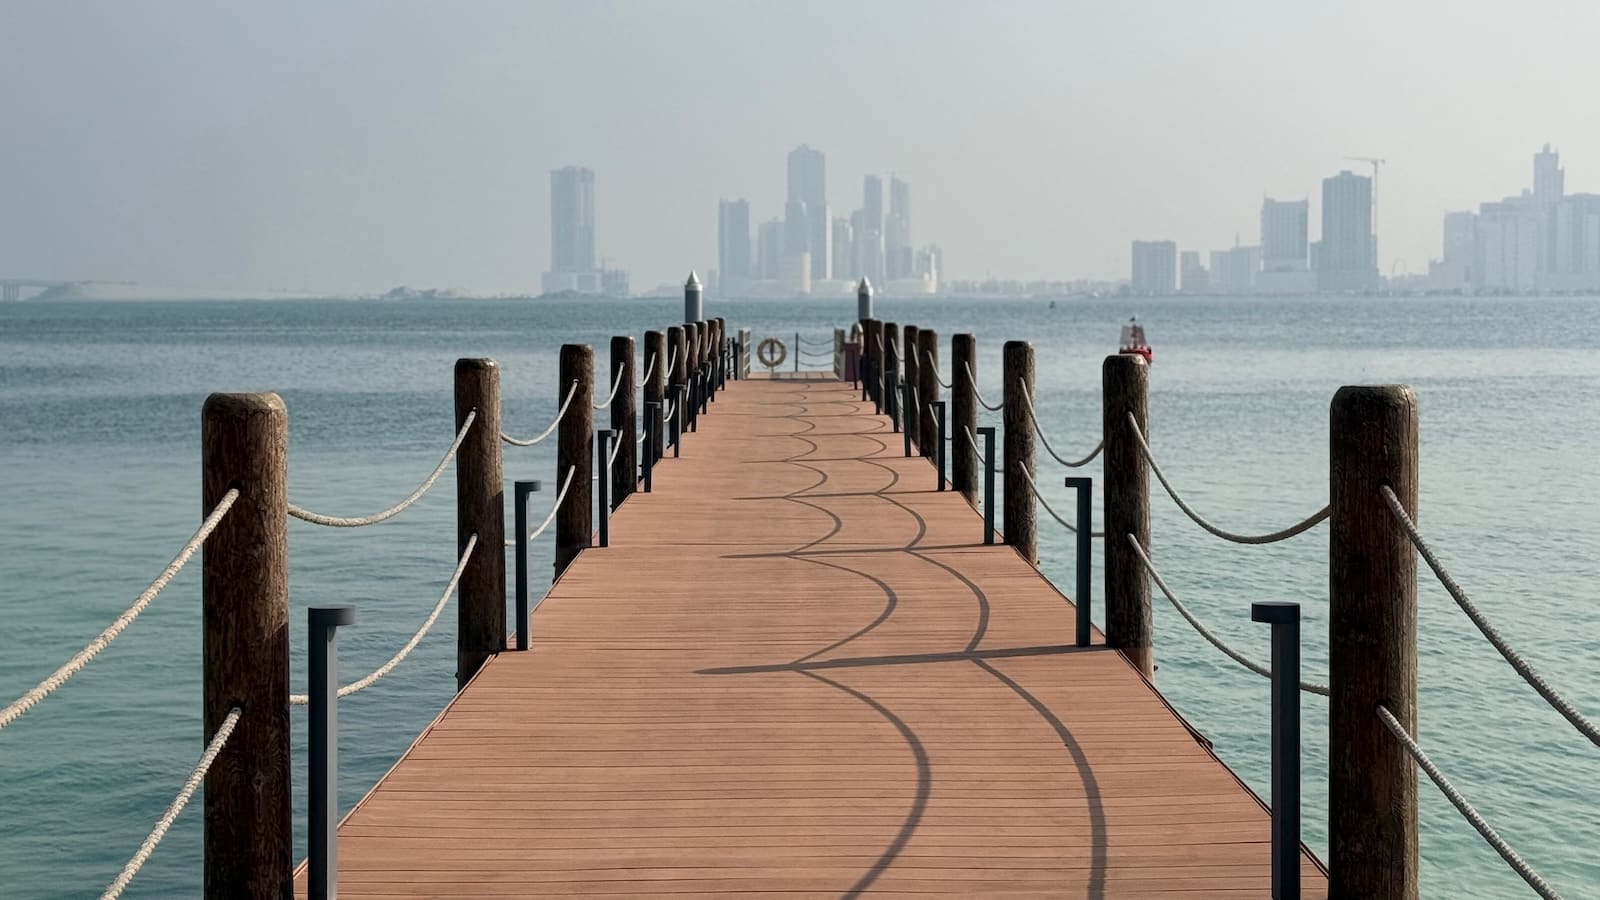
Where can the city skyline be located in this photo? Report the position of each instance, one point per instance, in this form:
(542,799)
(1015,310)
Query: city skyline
(322,159)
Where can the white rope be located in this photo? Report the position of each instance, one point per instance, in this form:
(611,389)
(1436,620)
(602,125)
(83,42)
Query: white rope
(1522,666)
(400,655)
(1473,817)
(648,370)
(1315,519)
(1309,687)
(972,377)
(82,658)
(306,515)
(190,785)
(672,359)
(518,442)
(616,447)
(571,470)
(616,384)
(933,366)
(1071,464)
(1047,508)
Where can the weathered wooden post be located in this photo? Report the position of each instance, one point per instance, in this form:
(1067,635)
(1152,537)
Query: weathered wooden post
(874,353)
(1372,645)
(1125,381)
(624,422)
(838,353)
(249,847)
(575,453)
(719,356)
(928,387)
(678,349)
(744,353)
(963,417)
(891,372)
(1021,524)
(912,419)
(655,349)
(480,510)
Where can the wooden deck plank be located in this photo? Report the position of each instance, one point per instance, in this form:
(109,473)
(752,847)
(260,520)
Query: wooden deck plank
(797,671)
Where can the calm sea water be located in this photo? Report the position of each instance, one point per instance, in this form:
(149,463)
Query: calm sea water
(99,484)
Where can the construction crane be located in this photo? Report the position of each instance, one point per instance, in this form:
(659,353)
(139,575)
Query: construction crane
(1376,163)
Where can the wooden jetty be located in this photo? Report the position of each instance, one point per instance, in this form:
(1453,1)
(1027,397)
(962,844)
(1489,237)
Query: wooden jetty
(797,670)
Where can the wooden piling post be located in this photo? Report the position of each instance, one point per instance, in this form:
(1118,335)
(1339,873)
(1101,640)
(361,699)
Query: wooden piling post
(575,453)
(1372,645)
(677,350)
(1021,524)
(1125,382)
(891,372)
(624,421)
(964,464)
(911,369)
(480,510)
(928,387)
(875,342)
(655,348)
(249,847)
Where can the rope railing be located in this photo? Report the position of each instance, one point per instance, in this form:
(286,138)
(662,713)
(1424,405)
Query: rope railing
(529,442)
(1304,525)
(1033,416)
(616,385)
(72,666)
(400,655)
(648,371)
(672,360)
(306,515)
(611,458)
(1465,808)
(554,507)
(164,824)
(1049,509)
(973,440)
(973,377)
(1264,671)
(933,366)
(1524,668)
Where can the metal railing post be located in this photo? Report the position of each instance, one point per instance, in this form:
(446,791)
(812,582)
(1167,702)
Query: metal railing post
(1285,620)
(911,419)
(678,412)
(652,450)
(797,351)
(522,491)
(1084,485)
(987,433)
(322,806)
(892,392)
(602,449)
(939,455)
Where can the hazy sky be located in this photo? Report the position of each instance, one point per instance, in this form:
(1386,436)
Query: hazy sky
(354,146)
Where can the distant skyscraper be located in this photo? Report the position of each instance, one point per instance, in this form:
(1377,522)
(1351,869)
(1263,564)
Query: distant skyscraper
(769,250)
(843,255)
(899,259)
(1284,225)
(1347,262)
(1195,279)
(733,244)
(868,232)
(572,220)
(808,187)
(1155,267)
(572,265)
(1549,179)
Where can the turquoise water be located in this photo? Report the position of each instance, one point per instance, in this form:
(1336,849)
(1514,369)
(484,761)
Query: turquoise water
(99,485)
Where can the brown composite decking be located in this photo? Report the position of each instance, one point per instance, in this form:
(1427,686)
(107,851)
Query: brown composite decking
(796,671)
